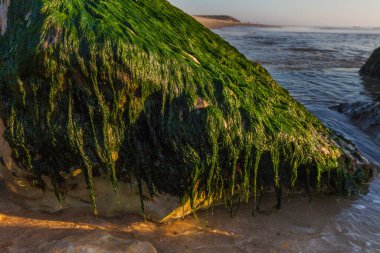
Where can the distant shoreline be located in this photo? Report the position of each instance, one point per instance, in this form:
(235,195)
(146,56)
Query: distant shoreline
(220,21)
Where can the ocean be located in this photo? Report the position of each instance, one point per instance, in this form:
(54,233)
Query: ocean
(319,66)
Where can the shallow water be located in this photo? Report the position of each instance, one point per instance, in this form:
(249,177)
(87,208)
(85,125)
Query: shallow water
(320,68)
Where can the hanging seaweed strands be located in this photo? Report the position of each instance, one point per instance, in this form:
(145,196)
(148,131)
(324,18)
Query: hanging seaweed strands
(141,96)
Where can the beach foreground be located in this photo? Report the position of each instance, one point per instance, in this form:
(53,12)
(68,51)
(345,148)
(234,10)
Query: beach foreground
(295,228)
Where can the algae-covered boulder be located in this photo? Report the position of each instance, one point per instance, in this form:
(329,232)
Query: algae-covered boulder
(372,66)
(139,93)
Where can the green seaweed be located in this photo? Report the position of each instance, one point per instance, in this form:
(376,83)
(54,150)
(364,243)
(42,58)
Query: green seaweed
(140,86)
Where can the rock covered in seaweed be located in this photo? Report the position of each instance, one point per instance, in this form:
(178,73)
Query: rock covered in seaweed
(138,92)
(372,66)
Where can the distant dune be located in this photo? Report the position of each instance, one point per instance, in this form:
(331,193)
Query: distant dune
(220,17)
(219,21)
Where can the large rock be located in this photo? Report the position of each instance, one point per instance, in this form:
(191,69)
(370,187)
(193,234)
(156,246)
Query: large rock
(139,94)
(372,66)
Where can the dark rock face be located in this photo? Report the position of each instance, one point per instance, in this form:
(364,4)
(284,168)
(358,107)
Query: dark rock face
(372,67)
(365,115)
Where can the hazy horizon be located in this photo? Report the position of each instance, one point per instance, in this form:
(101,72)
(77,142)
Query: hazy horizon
(344,13)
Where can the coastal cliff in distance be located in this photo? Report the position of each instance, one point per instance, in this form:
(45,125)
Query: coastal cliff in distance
(106,96)
(220,21)
(372,67)
(220,17)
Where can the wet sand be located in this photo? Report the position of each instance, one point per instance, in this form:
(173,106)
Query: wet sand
(292,229)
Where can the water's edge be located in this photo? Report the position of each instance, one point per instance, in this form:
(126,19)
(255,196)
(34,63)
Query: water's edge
(320,68)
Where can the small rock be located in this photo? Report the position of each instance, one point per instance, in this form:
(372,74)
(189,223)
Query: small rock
(201,104)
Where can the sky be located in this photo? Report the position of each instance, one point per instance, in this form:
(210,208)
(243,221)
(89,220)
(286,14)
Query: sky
(346,13)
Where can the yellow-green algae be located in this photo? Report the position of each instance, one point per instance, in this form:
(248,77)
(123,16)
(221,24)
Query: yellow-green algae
(137,88)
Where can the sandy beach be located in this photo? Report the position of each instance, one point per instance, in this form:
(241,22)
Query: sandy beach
(288,230)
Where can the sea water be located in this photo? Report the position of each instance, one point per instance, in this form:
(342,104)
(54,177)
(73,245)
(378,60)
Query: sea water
(319,66)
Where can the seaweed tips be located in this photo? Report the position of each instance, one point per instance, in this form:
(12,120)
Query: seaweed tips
(140,88)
